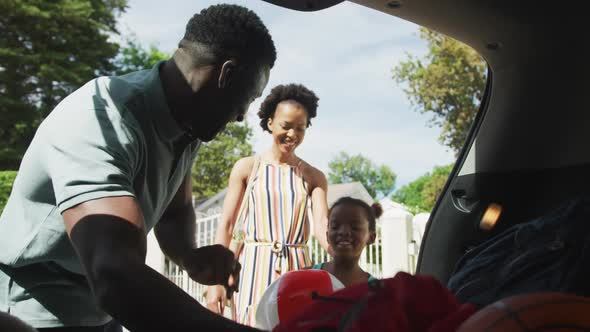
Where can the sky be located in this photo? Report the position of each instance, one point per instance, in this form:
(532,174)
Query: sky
(345,54)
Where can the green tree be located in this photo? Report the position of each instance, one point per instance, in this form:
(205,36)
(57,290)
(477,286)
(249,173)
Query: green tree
(411,195)
(47,50)
(134,57)
(379,180)
(421,194)
(6,181)
(448,83)
(215,159)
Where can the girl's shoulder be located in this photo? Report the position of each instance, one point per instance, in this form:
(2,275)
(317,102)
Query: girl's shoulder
(318,266)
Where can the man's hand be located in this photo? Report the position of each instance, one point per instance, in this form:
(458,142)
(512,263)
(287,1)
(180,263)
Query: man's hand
(213,265)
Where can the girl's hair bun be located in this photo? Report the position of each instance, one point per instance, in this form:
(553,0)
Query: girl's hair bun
(377,209)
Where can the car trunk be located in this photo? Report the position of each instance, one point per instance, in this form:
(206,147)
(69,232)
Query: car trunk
(526,151)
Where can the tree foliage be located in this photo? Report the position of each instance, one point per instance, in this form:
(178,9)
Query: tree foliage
(448,83)
(6,181)
(421,194)
(134,57)
(47,50)
(215,159)
(50,48)
(379,180)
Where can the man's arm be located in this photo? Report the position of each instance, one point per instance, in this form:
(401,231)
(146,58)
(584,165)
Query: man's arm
(176,229)
(109,237)
(176,236)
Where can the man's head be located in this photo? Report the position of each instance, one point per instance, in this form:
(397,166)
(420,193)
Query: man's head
(225,55)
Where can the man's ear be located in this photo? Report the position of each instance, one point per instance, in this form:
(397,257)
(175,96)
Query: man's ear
(227,73)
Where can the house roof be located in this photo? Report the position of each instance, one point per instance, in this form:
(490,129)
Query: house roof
(352,189)
(212,202)
(393,209)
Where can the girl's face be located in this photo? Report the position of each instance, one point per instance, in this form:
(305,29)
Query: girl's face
(288,126)
(348,231)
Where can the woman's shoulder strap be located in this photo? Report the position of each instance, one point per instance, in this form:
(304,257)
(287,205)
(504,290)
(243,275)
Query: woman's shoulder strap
(255,166)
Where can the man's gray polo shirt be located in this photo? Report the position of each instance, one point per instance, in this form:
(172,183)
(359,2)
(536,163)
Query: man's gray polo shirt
(115,136)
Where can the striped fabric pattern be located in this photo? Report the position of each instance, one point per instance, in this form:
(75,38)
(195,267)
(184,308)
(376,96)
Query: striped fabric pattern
(276,212)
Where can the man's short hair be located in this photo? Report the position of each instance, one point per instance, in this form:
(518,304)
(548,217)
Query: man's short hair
(229,31)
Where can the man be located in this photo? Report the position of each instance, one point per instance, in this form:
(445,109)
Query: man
(113,161)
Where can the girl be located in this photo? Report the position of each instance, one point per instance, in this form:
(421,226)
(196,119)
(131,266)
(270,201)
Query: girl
(351,227)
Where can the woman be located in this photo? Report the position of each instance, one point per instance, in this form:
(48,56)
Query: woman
(273,215)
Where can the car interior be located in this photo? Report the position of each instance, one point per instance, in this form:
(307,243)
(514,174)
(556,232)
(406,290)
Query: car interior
(526,151)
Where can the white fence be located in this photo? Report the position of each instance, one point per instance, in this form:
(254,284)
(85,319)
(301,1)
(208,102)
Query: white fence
(206,227)
(371,259)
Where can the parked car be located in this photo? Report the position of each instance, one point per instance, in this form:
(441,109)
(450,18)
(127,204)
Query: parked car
(527,148)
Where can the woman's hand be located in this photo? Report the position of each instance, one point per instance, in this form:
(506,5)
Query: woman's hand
(215,299)
(319,205)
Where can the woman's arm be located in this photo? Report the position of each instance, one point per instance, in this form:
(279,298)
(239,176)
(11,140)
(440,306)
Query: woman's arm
(235,191)
(238,179)
(319,203)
